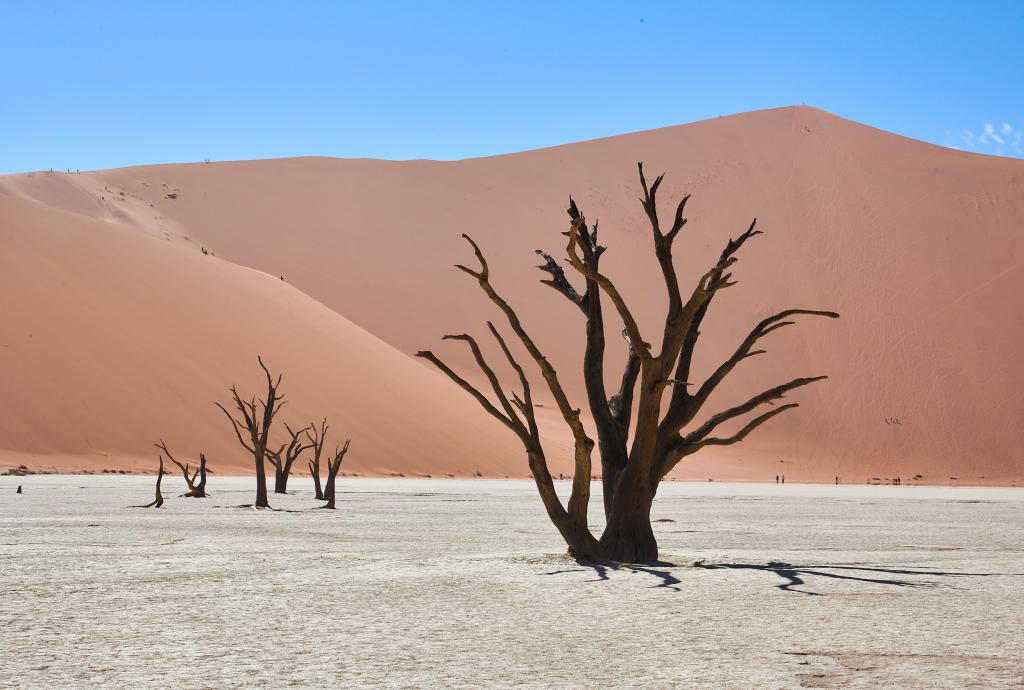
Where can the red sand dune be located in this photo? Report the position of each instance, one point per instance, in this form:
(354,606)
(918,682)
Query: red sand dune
(917,246)
(113,339)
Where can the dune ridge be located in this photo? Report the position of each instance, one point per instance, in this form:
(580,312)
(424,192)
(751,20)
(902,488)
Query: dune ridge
(115,339)
(917,246)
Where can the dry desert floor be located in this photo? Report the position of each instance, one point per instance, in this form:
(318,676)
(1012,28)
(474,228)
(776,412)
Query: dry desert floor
(425,583)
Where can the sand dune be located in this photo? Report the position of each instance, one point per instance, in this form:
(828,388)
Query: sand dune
(113,339)
(918,246)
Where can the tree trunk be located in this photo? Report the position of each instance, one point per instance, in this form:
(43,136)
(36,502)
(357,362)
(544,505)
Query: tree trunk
(329,492)
(610,473)
(158,500)
(281,480)
(200,489)
(583,546)
(332,475)
(314,471)
(261,484)
(628,537)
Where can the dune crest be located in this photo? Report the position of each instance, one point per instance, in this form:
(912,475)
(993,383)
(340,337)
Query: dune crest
(917,246)
(114,339)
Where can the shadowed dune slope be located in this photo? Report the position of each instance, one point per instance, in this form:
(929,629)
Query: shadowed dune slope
(113,339)
(917,246)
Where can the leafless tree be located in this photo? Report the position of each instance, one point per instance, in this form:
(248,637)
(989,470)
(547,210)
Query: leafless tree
(332,472)
(256,420)
(316,439)
(630,471)
(195,489)
(284,457)
(158,500)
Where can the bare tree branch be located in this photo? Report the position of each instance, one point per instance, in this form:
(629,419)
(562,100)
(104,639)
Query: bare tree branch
(317,438)
(469,388)
(760,399)
(578,262)
(558,281)
(750,426)
(491,376)
(194,490)
(683,407)
(526,404)
(158,500)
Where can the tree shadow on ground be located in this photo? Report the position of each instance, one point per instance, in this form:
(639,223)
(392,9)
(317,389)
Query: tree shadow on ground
(657,570)
(268,509)
(793,576)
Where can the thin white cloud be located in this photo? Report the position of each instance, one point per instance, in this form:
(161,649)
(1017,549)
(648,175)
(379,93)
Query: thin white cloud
(1002,140)
(990,133)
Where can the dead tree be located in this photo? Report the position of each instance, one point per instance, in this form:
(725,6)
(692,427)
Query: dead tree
(257,423)
(284,457)
(158,500)
(332,472)
(195,489)
(316,441)
(641,436)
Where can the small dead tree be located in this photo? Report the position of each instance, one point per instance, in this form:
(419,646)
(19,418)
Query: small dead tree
(332,472)
(661,434)
(256,420)
(158,500)
(316,440)
(195,489)
(284,457)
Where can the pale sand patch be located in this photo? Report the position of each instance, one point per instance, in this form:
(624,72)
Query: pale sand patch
(418,583)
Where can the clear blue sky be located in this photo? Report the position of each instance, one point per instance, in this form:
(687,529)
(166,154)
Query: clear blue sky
(103,84)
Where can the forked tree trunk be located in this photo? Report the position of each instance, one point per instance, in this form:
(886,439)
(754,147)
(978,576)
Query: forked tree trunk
(633,460)
(317,437)
(314,472)
(284,458)
(257,423)
(332,473)
(329,492)
(200,489)
(275,461)
(195,490)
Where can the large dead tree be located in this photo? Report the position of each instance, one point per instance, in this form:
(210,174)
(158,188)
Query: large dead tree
(256,419)
(641,435)
(195,489)
(158,500)
(332,472)
(316,440)
(284,457)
